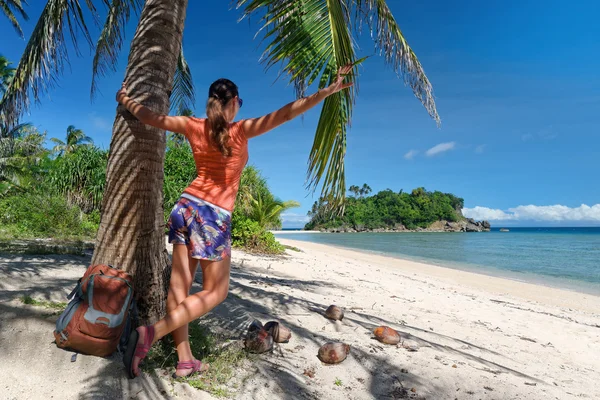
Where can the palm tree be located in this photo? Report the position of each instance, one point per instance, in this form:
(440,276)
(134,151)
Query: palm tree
(9,7)
(252,185)
(75,139)
(6,73)
(21,148)
(364,190)
(310,39)
(267,210)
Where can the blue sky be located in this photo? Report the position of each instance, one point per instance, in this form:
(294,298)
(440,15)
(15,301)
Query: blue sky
(516,84)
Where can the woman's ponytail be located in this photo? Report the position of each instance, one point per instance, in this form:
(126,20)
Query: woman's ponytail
(219,128)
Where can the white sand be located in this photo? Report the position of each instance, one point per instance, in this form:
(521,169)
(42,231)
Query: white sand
(479,337)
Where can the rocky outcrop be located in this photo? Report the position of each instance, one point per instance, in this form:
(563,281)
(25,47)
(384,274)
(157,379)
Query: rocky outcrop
(466,225)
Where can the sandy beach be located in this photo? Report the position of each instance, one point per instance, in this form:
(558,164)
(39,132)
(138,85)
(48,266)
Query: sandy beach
(475,336)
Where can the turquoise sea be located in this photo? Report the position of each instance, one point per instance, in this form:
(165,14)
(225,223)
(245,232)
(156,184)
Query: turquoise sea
(559,257)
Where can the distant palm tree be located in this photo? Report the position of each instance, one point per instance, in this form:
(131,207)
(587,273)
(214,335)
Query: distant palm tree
(9,7)
(75,139)
(21,148)
(267,210)
(364,190)
(6,73)
(355,190)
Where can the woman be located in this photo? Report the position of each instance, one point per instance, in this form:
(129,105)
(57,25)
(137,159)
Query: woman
(200,223)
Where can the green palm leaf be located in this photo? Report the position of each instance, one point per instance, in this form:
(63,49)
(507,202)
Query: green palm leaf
(391,43)
(9,7)
(76,137)
(312,39)
(59,146)
(111,38)
(14,132)
(45,55)
(183,94)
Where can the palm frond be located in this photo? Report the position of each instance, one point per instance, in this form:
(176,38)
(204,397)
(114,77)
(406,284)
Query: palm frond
(6,73)
(85,140)
(391,43)
(9,7)
(44,56)
(111,38)
(14,132)
(311,39)
(183,94)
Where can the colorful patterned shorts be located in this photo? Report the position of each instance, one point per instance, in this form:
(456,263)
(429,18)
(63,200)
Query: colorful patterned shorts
(204,228)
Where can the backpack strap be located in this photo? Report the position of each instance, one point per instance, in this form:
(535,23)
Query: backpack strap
(76,290)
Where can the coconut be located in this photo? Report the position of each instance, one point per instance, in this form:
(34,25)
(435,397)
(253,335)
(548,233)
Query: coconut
(255,326)
(334,312)
(386,335)
(258,340)
(333,352)
(280,333)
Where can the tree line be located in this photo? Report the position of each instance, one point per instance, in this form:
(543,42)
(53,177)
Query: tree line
(386,209)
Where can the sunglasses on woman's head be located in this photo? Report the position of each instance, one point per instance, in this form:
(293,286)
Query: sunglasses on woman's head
(240,102)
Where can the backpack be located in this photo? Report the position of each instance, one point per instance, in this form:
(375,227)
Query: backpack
(101,313)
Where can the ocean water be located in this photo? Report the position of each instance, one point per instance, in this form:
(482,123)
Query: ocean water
(559,257)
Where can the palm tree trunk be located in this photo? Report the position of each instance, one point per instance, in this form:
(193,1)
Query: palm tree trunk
(132,229)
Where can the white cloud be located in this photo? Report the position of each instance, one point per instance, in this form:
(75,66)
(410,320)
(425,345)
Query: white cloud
(100,122)
(440,148)
(479,149)
(411,154)
(294,218)
(555,213)
(546,133)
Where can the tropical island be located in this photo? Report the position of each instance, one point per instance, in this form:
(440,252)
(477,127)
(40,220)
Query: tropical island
(388,211)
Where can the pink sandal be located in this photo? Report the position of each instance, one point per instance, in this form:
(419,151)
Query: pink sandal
(194,365)
(136,349)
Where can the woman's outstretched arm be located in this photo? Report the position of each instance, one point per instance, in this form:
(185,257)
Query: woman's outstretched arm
(257,126)
(149,117)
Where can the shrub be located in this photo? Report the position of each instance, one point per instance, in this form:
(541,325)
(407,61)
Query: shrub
(249,234)
(45,215)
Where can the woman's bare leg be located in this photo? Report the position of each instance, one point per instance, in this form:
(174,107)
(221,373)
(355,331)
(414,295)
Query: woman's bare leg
(214,290)
(182,277)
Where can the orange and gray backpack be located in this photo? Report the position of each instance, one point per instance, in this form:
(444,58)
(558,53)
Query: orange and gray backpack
(100,314)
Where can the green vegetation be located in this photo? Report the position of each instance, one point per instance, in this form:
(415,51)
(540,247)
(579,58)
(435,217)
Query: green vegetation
(338,382)
(80,176)
(292,248)
(223,356)
(256,211)
(44,196)
(387,209)
(55,305)
(39,214)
